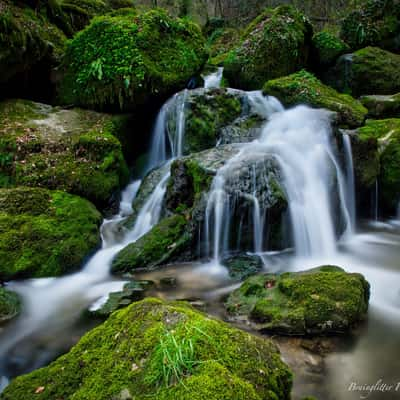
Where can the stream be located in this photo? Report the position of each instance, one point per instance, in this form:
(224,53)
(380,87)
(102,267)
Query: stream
(300,140)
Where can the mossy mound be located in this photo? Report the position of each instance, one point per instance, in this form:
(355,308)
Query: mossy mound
(73,150)
(387,133)
(326,48)
(30,46)
(154,248)
(127,60)
(158,350)
(220,42)
(373,23)
(367,71)
(319,301)
(380,106)
(275,44)
(10,305)
(44,233)
(304,88)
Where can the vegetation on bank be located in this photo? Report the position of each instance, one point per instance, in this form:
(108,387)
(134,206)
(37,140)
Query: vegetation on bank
(10,305)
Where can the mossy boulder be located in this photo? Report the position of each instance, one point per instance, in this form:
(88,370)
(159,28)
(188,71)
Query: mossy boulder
(241,266)
(373,23)
(380,106)
(387,134)
(158,350)
(155,248)
(326,48)
(367,71)
(44,233)
(10,305)
(73,150)
(275,44)
(127,60)
(304,88)
(322,300)
(220,42)
(30,47)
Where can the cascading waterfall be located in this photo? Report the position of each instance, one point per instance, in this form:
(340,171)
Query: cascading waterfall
(214,79)
(300,140)
(350,181)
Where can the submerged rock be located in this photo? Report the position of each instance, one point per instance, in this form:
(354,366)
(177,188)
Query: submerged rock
(74,150)
(318,301)
(380,106)
(158,350)
(241,266)
(44,233)
(10,305)
(125,60)
(367,71)
(304,88)
(275,44)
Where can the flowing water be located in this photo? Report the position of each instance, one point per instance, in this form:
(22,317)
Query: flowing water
(320,194)
(213,80)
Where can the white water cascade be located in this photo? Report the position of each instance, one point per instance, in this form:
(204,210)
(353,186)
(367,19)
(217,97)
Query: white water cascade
(214,79)
(53,304)
(300,140)
(350,181)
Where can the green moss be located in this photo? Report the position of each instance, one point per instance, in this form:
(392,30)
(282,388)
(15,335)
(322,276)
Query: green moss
(275,44)
(156,247)
(126,60)
(206,115)
(10,305)
(328,47)
(123,356)
(372,23)
(320,300)
(220,42)
(304,88)
(44,233)
(72,150)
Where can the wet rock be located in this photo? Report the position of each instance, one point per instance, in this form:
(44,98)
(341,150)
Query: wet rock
(126,353)
(319,301)
(10,305)
(168,282)
(380,106)
(241,266)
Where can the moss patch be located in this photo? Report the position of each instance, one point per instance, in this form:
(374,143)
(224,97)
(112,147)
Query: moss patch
(10,305)
(125,60)
(72,150)
(275,44)
(327,47)
(125,355)
(44,233)
(321,300)
(304,88)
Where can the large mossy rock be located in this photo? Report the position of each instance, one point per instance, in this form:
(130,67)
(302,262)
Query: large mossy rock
(155,248)
(304,88)
(164,351)
(381,106)
(367,71)
(73,150)
(386,133)
(10,305)
(373,23)
(275,44)
(130,59)
(326,49)
(44,233)
(30,47)
(318,301)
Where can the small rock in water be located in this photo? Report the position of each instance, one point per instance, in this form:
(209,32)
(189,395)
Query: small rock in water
(168,282)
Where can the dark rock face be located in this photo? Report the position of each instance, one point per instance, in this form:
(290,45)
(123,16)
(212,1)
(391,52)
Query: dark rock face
(318,301)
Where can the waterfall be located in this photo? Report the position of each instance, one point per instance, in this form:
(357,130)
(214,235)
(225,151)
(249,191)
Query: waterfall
(351,202)
(300,140)
(214,79)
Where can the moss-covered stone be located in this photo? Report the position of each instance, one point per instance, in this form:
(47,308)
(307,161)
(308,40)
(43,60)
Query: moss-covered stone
(387,133)
(326,48)
(133,354)
(220,42)
(275,44)
(367,71)
(373,23)
(44,233)
(154,248)
(127,60)
(319,301)
(73,150)
(241,266)
(380,106)
(304,88)
(10,305)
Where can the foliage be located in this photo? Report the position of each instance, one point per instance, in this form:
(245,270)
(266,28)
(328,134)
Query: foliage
(124,356)
(123,61)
